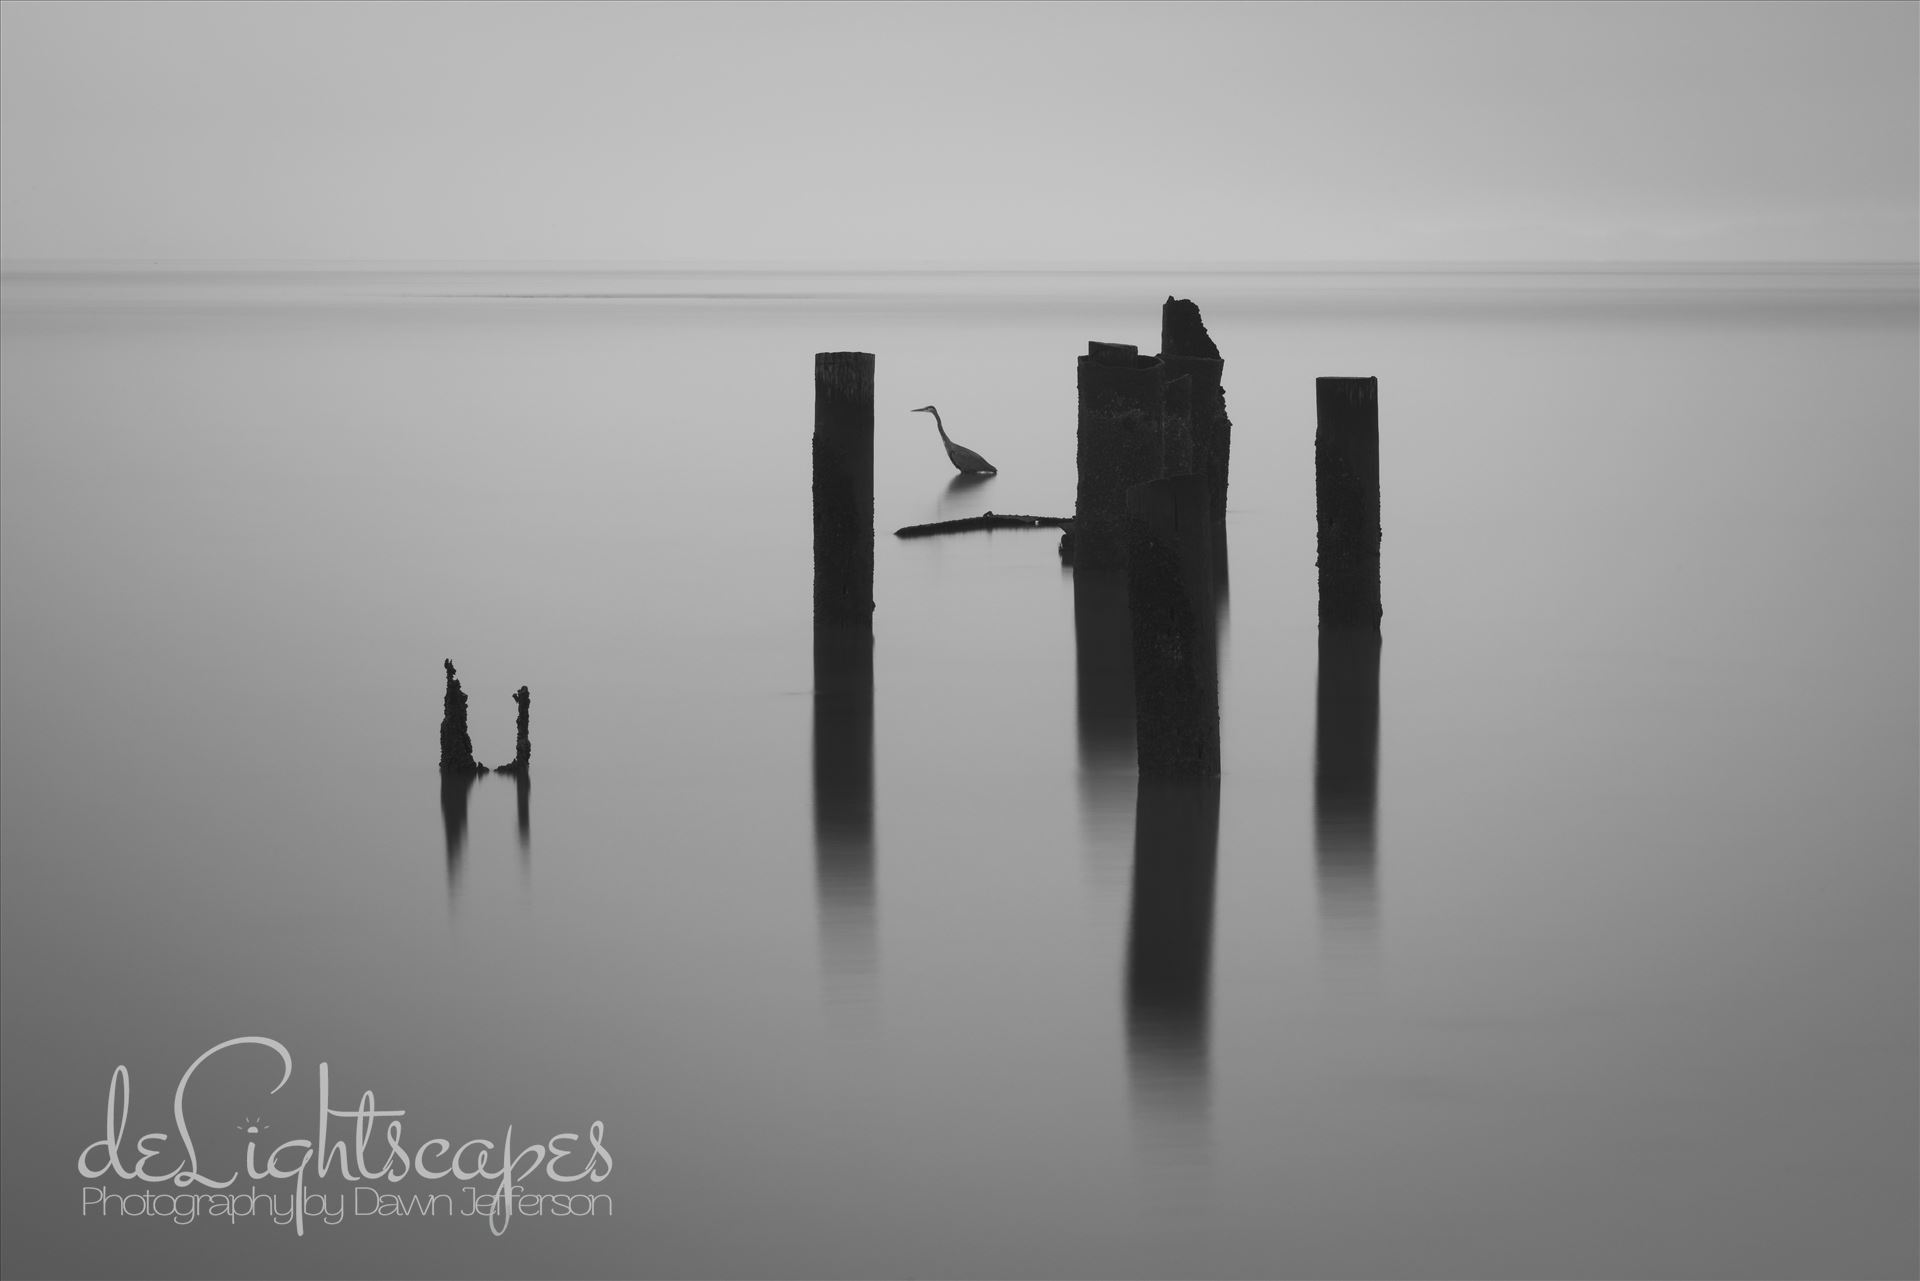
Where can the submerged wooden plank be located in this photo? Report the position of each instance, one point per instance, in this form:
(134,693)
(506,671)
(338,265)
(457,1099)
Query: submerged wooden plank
(990,520)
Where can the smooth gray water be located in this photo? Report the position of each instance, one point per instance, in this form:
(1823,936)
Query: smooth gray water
(1627,985)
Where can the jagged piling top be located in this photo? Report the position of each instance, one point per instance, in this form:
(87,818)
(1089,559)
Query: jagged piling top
(522,745)
(1118,355)
(1182,332)
(456,746)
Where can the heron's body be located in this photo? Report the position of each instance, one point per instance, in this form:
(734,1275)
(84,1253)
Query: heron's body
(963,459)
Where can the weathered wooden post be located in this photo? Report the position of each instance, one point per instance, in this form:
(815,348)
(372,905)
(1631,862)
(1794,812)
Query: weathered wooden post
(1176,443)
(1122,405)
(1346,466)
(843,488)
(522,746)
(1187,349)
(456,745)
(1170,596)
(843,657)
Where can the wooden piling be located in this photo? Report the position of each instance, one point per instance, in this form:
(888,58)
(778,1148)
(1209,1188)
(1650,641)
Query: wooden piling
(1170,598)
(522,745)
(456,744)
(1176,436)
(1122,407)
(1346,464)
(1187,349)
(843,488)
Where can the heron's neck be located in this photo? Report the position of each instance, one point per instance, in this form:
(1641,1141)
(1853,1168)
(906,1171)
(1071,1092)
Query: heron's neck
(938,425)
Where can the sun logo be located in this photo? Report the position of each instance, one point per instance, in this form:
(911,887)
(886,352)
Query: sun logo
(252,1126)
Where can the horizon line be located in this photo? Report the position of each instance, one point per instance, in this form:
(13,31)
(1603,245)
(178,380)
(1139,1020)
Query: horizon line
(56,266)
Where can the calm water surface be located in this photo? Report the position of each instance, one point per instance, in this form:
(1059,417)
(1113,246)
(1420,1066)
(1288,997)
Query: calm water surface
(1599,960)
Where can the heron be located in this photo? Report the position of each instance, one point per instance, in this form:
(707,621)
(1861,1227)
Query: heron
(963,459)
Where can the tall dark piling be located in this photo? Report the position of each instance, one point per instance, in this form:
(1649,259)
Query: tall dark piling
(1346,743)
(1176,436)
(456,745)
(843,660)
(1170,597)
(1187,349)
(1122,407)
(843,488)
(522,746)
(1176,833)
(1346,466)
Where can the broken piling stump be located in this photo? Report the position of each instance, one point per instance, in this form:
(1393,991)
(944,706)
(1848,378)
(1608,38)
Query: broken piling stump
(456,745)
(1187,349)
(1170,598)
(1346,468)
(522,747)
(1122,406)
(843,488)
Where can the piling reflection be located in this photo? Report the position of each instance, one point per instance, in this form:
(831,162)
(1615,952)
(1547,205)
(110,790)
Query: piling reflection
(843,803)
(522,794)
(454,790)
(1345,775)
(1103,674)
(1170,954)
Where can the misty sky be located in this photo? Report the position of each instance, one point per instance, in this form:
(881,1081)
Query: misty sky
(964,134)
